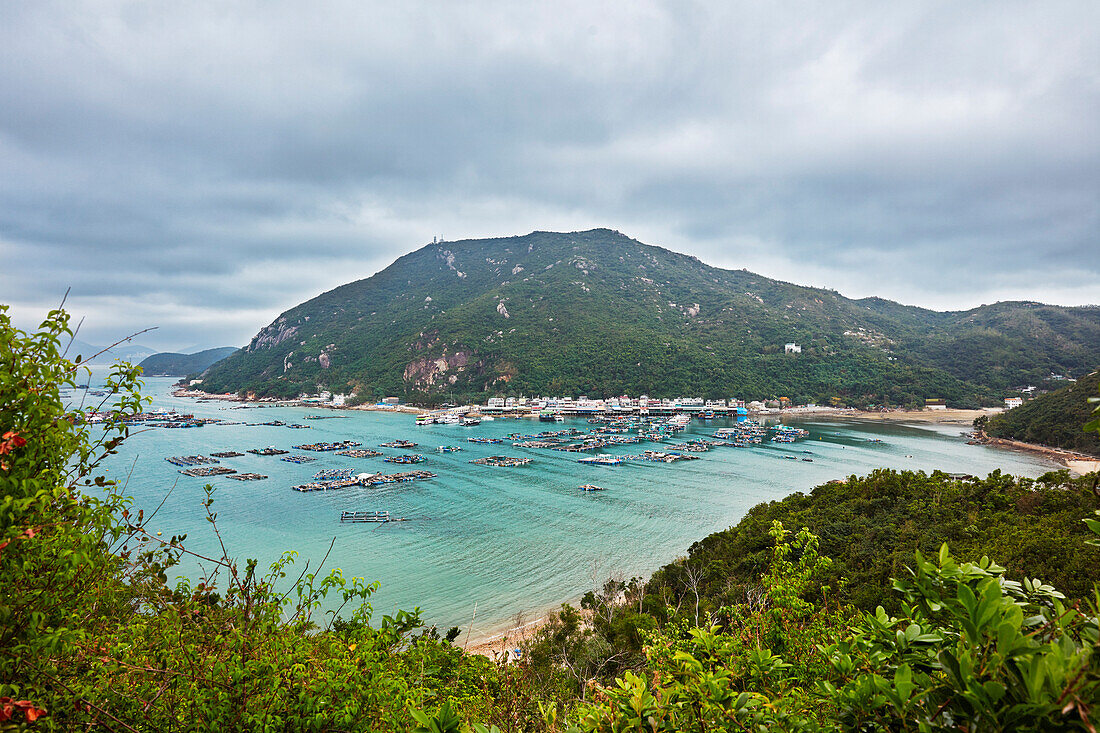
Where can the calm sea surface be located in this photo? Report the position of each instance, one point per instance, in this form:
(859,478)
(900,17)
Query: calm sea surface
(510,540)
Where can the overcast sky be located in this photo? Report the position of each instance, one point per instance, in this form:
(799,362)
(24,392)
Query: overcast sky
(201,167)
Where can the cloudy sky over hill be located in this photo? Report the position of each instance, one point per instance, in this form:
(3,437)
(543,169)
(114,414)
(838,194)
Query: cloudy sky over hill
(202,166)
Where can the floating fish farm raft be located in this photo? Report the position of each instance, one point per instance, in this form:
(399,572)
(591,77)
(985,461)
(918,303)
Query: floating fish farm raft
(409,458)
(602,460)
(398,477)
(328,485)
(227,454)
(190,460)
(485,440)
(398,444)
(299,459)
(247,477)
(208,471)
(366,517)
(375,480)
(272,451)
(327,474)
(325,447)
(501,461)
(449,448)
(359,453)
(660,457)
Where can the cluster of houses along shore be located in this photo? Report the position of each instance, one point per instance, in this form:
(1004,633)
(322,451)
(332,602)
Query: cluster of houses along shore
(643,405)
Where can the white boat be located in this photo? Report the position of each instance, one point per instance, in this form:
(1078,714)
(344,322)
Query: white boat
(603,460)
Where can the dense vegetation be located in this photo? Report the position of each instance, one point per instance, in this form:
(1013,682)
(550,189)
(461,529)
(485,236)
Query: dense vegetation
(92,635)
(167,364)
(1053,419)
(600,314)
(755,630)
(869,527)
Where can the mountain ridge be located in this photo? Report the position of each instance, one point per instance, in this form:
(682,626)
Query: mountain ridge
(600,313)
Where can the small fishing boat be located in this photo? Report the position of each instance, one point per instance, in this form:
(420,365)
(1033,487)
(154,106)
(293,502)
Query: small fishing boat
(601,460)
(591,487)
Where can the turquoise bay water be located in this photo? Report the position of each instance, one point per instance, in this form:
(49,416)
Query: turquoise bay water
(513,541)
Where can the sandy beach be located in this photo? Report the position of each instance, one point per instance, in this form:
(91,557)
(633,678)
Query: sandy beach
(937,417)
(499,644)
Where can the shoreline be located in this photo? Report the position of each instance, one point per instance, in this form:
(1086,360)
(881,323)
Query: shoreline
(949,417)
(1078,464)
(928,417)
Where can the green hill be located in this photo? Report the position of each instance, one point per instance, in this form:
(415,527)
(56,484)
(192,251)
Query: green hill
(167,364)
(1053,419)
(601,314)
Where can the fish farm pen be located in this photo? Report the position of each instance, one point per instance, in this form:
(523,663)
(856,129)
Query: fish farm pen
(501,461)
(378,517)
(208,471)
(410,458)
(190,460)
(325,447)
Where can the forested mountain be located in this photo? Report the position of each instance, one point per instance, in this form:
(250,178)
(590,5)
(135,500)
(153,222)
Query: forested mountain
(168,364)
(1053,419)
(601,314)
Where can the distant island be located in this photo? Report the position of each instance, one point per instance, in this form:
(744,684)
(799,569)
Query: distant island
(100,355)
(597,313)
(168,364)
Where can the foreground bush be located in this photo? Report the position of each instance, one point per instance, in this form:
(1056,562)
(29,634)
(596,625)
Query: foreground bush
(91,634)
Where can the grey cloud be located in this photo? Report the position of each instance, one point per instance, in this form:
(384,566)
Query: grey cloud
(247,156)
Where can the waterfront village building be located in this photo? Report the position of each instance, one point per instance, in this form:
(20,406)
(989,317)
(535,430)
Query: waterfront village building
(935,404)
(584,405)
(1011,402)
(792,349)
